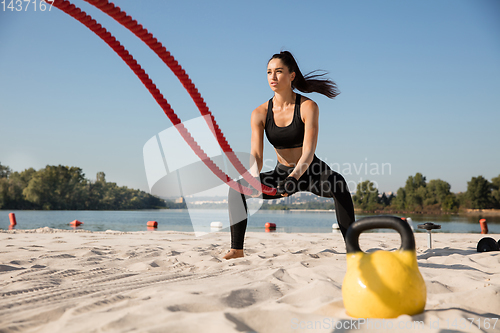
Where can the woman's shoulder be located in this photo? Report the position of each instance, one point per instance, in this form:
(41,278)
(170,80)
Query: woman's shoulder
(261,109)
(308,104)
(259,115)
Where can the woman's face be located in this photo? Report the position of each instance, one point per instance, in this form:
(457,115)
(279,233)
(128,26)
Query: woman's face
(279,76)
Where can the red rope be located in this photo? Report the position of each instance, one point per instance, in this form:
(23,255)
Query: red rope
(128,22)
(106,36)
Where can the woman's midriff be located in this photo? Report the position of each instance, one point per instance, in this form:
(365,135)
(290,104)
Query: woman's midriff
(289,156)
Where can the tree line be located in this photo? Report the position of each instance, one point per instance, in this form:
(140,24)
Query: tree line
(65,188)
(434,196)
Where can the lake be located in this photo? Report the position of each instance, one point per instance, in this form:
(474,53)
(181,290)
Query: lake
(199,220)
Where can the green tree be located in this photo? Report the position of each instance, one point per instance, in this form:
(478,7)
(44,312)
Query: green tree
(450,203)
(400,199)
(415,182)
(11,190)
(495,193)
(415,190)
(60,187)
(438,190)
(463,199)
(386,200)
(479,193)
(100,177)
(57,187)
(110,196)
(366,197)
(96,193)
(4,188)
(4,185)
(4,171)
(439,196)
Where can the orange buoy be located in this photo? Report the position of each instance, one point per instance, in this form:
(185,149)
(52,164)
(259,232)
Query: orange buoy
(152,224)
(75,223)
(484,226)
(270,225)
(12,218)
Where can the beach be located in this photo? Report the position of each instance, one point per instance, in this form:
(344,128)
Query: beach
(165,281)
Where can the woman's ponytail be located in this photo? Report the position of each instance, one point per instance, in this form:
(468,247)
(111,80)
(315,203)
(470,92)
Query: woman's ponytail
(311,82)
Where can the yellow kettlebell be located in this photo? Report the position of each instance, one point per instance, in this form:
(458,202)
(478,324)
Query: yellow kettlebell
(382,284)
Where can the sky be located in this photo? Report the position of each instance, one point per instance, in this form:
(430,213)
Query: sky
(419,84)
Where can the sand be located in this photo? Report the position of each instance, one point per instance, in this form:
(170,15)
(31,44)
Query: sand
(79,281)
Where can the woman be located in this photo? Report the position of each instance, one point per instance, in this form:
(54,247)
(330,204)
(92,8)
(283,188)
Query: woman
(290,122)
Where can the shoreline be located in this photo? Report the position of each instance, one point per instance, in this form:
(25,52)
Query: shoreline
(48,230)
(468,212)
(483,212)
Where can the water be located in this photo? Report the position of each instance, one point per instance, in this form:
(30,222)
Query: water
(180,220)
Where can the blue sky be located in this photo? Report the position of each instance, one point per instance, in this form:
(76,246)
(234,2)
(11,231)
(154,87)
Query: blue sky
(419,84)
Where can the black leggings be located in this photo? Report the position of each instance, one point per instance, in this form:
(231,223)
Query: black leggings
(318,179)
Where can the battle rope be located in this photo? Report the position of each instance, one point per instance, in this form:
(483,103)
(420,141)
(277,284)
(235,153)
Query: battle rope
(158,48)
(133,26)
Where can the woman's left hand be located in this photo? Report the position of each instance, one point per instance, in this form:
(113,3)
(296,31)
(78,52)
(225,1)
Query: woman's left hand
(289,187)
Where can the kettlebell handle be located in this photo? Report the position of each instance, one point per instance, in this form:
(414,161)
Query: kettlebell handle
(379,222)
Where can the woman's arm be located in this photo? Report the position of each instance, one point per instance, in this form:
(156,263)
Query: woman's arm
(310,116)
(257,122)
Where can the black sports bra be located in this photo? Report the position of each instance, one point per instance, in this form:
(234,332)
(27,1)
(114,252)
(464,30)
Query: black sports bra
(291,136)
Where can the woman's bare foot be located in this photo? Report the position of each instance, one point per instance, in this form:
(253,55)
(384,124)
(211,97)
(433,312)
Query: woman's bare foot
(233,253)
